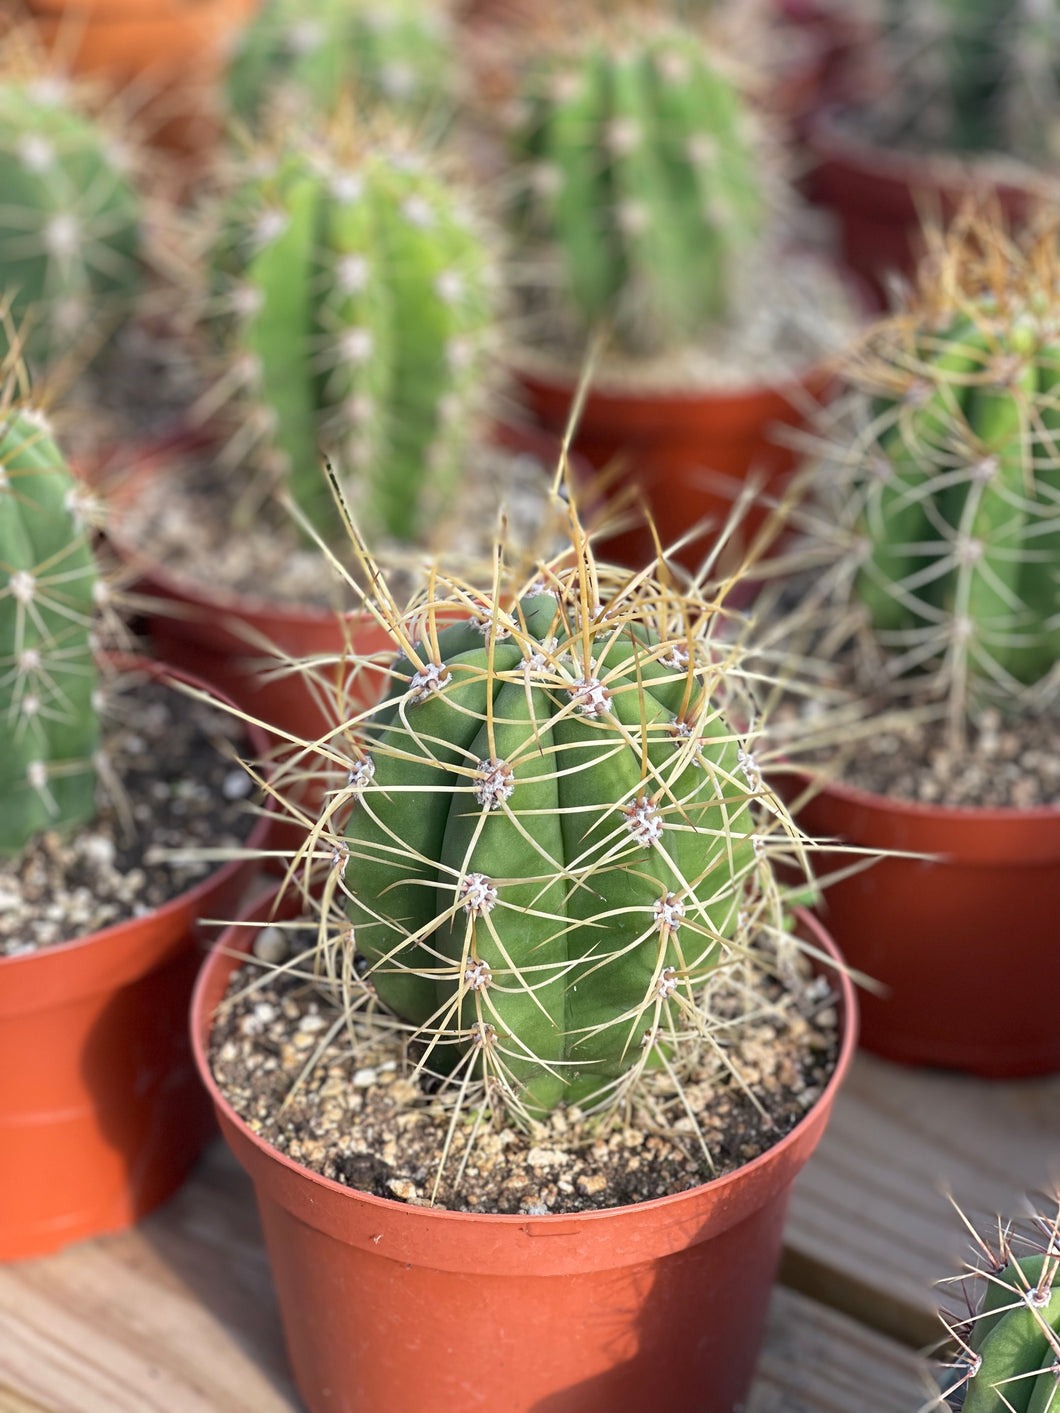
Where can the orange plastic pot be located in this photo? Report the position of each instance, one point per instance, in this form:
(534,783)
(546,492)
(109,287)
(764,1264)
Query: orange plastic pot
(681,459)
(965,943)
(388,1308)
(101,1111)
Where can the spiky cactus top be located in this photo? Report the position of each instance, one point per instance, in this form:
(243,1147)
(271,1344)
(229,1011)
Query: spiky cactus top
(396,54)
(48,679)
(955,474)
(1008,1339)
(634,167)
(70,217)
(557,834)
(361,297)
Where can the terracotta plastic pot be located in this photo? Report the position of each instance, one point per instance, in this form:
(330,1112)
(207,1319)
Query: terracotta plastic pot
(966,944)
(388,1308)
(681,459)
(101,1111)
(882,198)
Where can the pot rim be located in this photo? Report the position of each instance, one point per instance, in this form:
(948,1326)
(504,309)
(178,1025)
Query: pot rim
(239,938)
(918,809)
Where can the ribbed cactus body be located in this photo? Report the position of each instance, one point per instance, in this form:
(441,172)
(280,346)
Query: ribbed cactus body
(392,53)
(552,843)
(1016,1335)
(364,301)
(634,162)
(48,678)
(69,217)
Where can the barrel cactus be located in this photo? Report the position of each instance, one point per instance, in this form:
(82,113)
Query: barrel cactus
(397,54)
(70,218)
(1008,1346)
(48,677)
(360,295)
(558,833)
(635,171)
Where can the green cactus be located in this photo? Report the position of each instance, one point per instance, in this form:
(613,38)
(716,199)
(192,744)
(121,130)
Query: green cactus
(634,165)
(397,55)
(48,678)
(1008,1357)
(70,219)
(557,834)
(363,299)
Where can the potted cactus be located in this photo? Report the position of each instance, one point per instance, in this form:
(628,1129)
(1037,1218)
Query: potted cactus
(100,1110)
(944,601)
(640,205)
(549,839)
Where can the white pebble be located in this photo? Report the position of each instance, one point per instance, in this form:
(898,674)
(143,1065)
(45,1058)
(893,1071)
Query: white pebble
(236,785)
(270,946)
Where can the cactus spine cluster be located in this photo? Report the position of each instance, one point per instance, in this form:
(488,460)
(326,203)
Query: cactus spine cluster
(362,298)
(634,163)
(48,678)
(957,471)
(1008,1358)
(396,54)
(557,835)
(69,216)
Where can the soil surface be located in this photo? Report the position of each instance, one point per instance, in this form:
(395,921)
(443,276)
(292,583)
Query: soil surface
(356,1113)
(176,786)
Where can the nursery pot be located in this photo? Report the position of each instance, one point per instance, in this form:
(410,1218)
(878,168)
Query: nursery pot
(965,943)
(676,459)
(388,1308)
(101,1111)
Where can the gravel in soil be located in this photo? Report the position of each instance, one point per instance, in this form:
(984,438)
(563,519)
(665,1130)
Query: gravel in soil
(176,786)
(357,1114)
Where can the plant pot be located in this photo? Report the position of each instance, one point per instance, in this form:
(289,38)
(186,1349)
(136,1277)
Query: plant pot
(881,198)
(388,1308)
(101,1111)
(680,458)
(966,944)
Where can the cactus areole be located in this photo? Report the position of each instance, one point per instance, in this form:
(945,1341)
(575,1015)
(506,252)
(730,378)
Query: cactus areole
(552,845)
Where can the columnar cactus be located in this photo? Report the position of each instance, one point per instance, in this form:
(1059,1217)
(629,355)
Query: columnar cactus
(48,679)
(633,162)
(397,54)
(69,216)
(558,832)
(1008,1345)
(362,296)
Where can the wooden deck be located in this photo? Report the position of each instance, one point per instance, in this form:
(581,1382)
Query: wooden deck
(178,1315)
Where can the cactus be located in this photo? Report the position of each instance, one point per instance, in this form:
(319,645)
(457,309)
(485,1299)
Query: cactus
(558,833)
(48,677)
(1008,1358)
(634,164)
(362,294)
(396,54)
(69,216)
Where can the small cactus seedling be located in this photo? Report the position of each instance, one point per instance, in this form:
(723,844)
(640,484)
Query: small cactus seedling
(1008,1341)
(634,170)
(361,298)
(70,219)
(397,54)
(48,678)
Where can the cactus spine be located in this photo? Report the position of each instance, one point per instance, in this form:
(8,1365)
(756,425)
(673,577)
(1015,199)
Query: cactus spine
(363,298)
(633,162)
(557,835)
(70,223)
(48,677)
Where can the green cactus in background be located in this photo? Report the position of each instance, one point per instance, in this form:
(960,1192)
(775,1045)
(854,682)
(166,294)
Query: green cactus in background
(69,217)
(956,473)
(48,678)
(363,294)
(396,54)
(557,834)
(633,164)
(1008,1358)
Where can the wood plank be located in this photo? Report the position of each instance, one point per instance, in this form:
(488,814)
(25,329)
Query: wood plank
(178,1316)
(871,1228)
